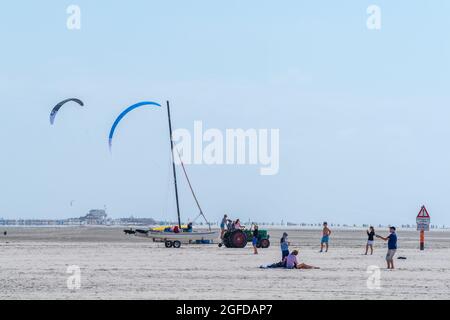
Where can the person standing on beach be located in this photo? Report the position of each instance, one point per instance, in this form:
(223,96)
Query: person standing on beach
(284,244)
(370,234)
(255,234)
(392,247)
(222,225)
(325,237)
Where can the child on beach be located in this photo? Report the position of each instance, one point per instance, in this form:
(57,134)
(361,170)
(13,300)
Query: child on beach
(292,262)
(325,237)
(284,245)
(255,234)
(392,247)
(370,234)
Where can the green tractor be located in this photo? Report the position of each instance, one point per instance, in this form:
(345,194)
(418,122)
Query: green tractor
(240,238)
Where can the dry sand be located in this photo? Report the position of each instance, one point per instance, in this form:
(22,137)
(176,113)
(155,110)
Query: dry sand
(34,261)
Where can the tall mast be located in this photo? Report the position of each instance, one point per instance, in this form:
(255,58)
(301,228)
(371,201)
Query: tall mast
(193,193)
(173,165)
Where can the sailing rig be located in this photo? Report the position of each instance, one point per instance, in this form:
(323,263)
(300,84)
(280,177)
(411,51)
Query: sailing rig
(185,174)
(169,235)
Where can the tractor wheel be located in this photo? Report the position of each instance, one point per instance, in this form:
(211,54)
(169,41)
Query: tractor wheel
(238,239)
(168,244)
(226,240)
(176,244)
(265,243)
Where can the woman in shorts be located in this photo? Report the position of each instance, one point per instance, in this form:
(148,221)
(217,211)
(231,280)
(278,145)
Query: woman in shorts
(370,240)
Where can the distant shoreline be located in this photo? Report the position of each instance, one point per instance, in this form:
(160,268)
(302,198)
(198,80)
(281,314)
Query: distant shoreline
(269,227)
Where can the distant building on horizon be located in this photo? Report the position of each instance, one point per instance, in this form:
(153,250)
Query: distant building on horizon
(95,216)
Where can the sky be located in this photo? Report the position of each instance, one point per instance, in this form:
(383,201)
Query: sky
(362,114)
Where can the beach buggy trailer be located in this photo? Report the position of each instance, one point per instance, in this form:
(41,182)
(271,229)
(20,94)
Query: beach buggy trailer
(174,240)
(240,238)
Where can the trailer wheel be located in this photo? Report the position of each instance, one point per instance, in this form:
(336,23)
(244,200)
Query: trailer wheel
(176,244)
(168,244)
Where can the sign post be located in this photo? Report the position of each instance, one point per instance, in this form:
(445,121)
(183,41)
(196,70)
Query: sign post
(423,224)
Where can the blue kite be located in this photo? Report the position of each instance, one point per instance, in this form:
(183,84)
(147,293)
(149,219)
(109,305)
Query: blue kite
(123,114)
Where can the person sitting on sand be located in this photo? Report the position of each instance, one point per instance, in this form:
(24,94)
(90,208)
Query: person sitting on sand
(325,237)
(392,247)
(280,264)
(370,240)
(292,262)
(284,244)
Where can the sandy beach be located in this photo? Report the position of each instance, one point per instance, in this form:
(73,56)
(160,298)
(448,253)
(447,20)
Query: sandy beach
(34,261)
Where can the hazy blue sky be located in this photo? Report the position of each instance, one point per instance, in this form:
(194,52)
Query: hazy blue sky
(363,115)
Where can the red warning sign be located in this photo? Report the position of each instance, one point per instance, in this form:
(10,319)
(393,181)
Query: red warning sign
(423,213)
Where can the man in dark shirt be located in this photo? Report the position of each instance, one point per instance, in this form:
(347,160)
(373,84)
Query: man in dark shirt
(392,247)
